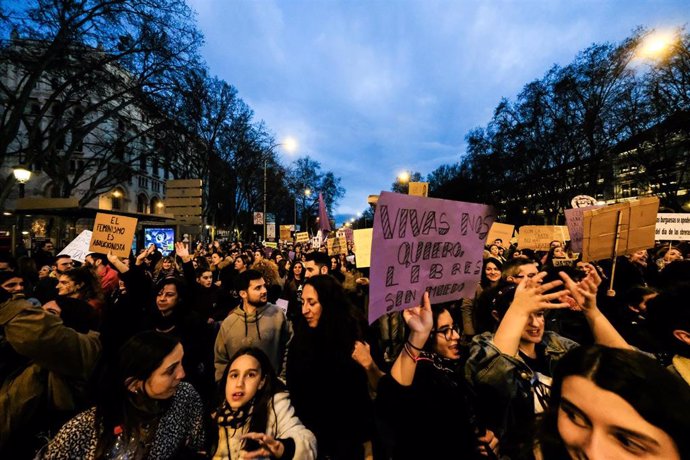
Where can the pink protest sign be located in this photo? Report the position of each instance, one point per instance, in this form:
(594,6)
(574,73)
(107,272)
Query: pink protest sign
(425,244)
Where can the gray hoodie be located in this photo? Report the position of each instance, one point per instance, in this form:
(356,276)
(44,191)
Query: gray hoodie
(267,328)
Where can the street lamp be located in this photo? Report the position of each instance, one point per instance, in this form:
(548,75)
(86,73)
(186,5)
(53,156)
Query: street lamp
(307,194)
(22,175)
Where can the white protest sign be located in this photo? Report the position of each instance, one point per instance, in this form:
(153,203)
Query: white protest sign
(672,227)
(78,249)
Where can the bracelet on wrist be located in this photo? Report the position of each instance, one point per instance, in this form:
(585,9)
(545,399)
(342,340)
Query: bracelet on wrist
(416,348)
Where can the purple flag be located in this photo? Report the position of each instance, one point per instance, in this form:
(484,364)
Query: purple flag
(425,244)
(324,222)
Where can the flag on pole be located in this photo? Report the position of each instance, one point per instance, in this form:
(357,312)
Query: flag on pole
(324,223)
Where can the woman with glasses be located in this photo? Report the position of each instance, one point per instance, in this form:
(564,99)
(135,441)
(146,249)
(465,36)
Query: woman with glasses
(425,399)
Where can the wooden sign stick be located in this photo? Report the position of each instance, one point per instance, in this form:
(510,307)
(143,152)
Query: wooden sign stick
(611,292)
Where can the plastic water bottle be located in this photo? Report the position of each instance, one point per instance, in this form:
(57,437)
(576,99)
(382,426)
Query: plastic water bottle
(120,449)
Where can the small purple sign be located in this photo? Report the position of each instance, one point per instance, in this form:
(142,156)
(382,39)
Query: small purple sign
(574,220)
(425,244)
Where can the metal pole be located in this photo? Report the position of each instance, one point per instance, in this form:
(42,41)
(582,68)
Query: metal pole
(265,180)
(294,217)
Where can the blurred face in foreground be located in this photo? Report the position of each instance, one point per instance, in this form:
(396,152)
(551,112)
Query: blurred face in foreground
(598,424)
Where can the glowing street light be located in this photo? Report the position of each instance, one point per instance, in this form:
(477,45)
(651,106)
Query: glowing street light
(290,144)
(22,174)
(404,177)
(657,44)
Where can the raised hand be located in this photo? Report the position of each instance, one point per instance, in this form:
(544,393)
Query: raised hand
(420,319)
(530,297)
(182,251)
(584,292)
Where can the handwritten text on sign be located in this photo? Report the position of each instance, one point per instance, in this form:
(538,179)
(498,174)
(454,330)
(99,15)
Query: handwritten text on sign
(425,244)
(113,233)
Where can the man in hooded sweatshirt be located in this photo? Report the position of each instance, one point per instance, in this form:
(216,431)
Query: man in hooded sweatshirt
(254,323)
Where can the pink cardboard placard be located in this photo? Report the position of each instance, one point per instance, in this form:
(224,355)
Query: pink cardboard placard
(425,244)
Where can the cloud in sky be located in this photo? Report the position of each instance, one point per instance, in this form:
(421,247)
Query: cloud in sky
(373,87)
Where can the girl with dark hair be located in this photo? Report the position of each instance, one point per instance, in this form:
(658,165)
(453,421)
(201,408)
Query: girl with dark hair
(322,377)
(254,414)
(427,383)
(242,263)
(614,403)
(293,290)
(472,319)
(556,252)
(143,409)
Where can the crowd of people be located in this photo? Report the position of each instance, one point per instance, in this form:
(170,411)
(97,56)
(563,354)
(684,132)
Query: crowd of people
(228,350)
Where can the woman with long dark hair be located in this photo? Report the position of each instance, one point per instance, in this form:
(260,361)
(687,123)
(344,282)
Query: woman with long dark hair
(427,383)
(473,320)
(293,290)
(328,388)
(254,413)
(615,403)
(143,409)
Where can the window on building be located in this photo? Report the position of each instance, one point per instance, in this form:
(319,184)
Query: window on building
(142,204)
(117,198)
(156,205)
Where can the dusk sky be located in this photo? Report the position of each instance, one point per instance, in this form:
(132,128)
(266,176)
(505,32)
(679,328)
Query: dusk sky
(372,88)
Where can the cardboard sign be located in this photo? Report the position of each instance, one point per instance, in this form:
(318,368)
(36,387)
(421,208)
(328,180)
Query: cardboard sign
(362,239)
(418,189)
(113,233)
(258,218)
(78,249)
(574,219)
(563,262)
(270,245)
(425,244)
(301,237)
(502,231)
(285,232)
(672,227)
(539,237)
(637,230)
(270,231)
(337,245)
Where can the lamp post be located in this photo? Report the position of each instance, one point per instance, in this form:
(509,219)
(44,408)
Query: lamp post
(404,178)
(307,194)
(22,175)
(265,180)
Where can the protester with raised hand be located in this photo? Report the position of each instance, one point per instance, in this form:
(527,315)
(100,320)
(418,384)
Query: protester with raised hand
(427,383)
(511,370)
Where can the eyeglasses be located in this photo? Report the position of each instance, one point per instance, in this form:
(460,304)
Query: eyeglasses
(447,331)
